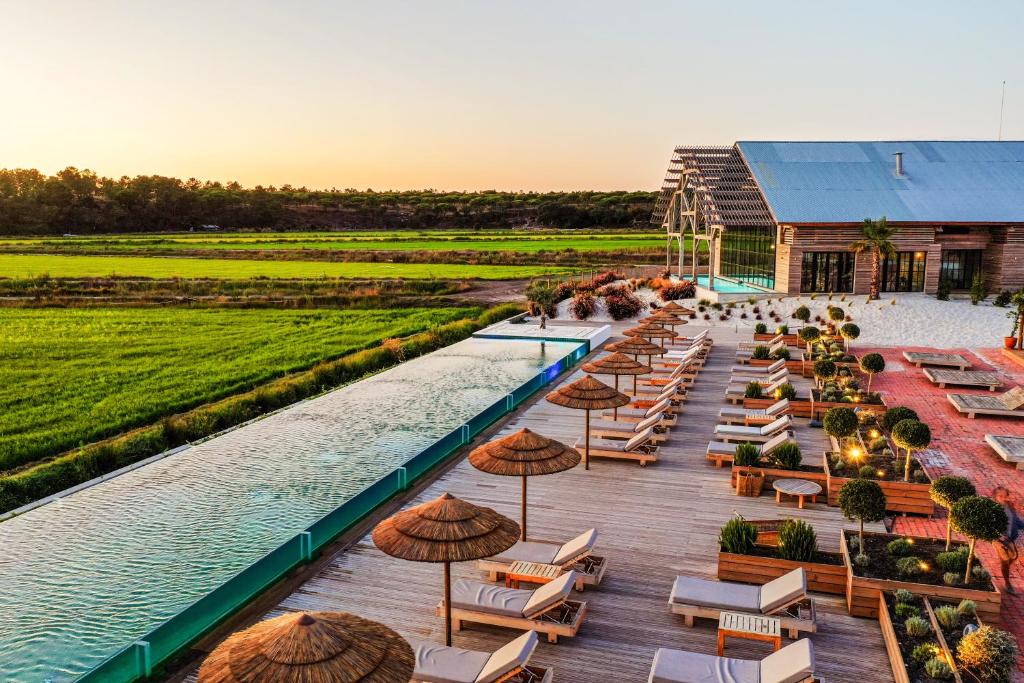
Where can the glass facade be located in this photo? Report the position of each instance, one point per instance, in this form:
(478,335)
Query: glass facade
(748,255)
(904,272)
(827,271)
(959,266)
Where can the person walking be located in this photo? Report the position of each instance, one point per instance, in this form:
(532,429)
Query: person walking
(1006,545)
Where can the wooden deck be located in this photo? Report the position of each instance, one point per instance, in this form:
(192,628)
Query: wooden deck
(654,523)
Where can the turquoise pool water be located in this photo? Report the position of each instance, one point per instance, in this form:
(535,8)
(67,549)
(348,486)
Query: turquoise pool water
(85,576)
(728,286)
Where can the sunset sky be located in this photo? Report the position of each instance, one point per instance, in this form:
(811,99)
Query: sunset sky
(477,95)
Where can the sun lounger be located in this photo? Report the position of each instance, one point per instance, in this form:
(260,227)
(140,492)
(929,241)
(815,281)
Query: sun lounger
(509,664)
(613,429)
(792,664)
(741,433)
(644,399)
(948,360)
(671,390)
(639,448)
(703,337)
(576,555)
(746,416)
(663,407)
(735,393)
(784,598)
(721,452)
(752,371)
(1009,448)
(546,610)
(744,355)
(1007,404)
(751,345)
(965,378)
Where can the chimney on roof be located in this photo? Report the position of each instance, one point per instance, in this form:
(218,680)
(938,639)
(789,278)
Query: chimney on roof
(899,164)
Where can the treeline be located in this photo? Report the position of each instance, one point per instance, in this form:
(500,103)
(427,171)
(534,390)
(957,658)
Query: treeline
(81,202)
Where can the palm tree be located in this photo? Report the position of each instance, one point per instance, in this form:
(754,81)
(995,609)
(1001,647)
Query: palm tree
(878,242)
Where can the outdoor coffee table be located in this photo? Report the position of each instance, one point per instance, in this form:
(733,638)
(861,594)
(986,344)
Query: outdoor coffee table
(750,627)
(531,572)
(800,488)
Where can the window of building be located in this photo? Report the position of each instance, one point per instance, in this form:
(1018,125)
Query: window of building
(827,271)
(904,272)
(959,266)
(748,254)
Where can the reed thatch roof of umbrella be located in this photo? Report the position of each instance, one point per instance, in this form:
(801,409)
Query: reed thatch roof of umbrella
(637,346)
(445,530)
(673,307)
(588,393)
(616,364)
(651,330)
(313,647)
(524,454)
(663,319)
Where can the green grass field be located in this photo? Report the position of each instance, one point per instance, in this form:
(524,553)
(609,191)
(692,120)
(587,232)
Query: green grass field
(34,265)
(71,376)
(523,242)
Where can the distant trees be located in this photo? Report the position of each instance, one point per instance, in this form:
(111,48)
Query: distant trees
(82,202)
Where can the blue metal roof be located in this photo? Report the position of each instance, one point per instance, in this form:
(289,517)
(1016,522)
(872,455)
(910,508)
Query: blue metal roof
(845,182)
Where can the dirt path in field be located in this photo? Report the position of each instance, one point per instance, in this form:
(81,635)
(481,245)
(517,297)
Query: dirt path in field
(497,291)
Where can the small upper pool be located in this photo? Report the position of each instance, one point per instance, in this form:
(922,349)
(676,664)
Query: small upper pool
(729,286)
(85,576)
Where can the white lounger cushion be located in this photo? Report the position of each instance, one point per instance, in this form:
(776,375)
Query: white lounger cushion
(740,597)
(770,428)
(490,598)
(528,551)
(738,411)
(549,594)
(439,664)
(639,440)
(509,658)
(658,408)
(791,664)
(680,666)
(580,546)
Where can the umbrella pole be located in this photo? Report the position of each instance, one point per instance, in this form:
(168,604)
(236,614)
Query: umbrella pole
(615,410)
(522,534)
(448,604)
(586,451)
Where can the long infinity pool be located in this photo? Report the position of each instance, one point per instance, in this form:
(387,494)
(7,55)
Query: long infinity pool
(83,577)
(728,286)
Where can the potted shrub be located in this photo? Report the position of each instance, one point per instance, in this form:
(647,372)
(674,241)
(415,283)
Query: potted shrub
(760,328)
(912,436)
(871,364)
(824,370)
(753,390)
(893,416)
(840,423)
(946,491)
(849,332)
(808,335)
(977,518)
(749,481)
(862,500)
(796,546)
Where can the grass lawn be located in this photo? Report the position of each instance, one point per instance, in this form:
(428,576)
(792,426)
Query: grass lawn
(71,376)
(33,265)
(522,242)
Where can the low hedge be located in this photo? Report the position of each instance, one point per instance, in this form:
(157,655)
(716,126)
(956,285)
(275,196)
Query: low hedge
(102,457)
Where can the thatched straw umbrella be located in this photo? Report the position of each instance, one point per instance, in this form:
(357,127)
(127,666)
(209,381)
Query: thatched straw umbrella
(665,319)
(587,394)
(651,331)
(311,647)
(636,347)
(617,364)
(675,309)
(446,530)
(524,454)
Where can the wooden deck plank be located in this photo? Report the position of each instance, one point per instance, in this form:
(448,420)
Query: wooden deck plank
(654,523)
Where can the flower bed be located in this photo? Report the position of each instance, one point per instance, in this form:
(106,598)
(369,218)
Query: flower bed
(865,584)
(820,403)
(909,653)
(909,497)
(826,574)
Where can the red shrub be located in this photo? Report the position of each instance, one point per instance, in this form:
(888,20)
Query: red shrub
(683,289)
(607,278)
(583,306)
(623,304)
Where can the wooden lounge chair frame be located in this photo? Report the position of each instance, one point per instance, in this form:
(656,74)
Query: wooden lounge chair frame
(945,360)
(788,615)
(668,419)
(643,454)
(563,619)
(972,412)
(591,568)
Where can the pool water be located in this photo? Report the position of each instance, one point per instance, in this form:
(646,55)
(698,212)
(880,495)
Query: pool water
(82,577)
(728,286)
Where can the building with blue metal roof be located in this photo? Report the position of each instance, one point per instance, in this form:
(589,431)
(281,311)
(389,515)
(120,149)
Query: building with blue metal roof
(781,216)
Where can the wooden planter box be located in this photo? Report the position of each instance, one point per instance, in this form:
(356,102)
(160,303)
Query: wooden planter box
(907,497)
(771,474)
(892,644)
(807,366)
(862,593)
(819,408)
(822,578)
(790,339)
(798,407)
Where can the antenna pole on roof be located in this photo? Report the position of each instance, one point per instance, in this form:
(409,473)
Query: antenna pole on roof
(1002,102)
